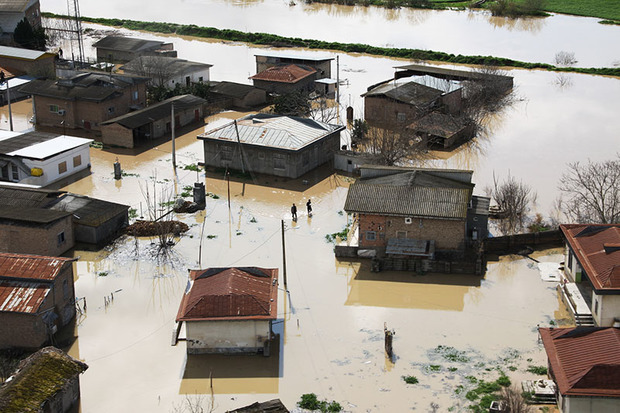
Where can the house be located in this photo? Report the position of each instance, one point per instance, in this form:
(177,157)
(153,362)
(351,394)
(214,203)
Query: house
(10,88)
(432,208)
(41,158)
(14,11)
(168,71)
(31,62)
(46,382)
(85,100)
(36,298)
(230,95)
(584,363)
(49,222)
(394,104)
(321,64)
(121,49)
(441,130)
(271,406)
(287,146)
(229,310)
(281,80)
(592,269)
(153,122)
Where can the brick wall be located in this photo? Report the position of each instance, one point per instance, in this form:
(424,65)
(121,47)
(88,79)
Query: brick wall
(382,112)
(22,330)
(447,234)
(117,135)
(40,240)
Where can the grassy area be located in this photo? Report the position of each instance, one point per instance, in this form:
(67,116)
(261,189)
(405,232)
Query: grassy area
(280,41)
(604,9)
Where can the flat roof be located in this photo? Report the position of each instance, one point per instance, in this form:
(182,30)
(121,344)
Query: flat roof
(37,145)
(297,57)
(25,54)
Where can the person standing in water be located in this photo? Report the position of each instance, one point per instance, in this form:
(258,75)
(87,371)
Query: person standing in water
(309,207)
(294,212)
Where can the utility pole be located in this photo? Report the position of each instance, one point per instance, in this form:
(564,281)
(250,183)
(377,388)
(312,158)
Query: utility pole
(8,98)
(174,155)
(283,256)
(240,147)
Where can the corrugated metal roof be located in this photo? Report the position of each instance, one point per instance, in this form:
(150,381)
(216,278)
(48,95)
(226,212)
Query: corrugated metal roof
(236,90)
(31,267)
(439,124)
(411,93)
(276,131)
(296,57)
(34,215)
(22,296)
(18,53)
(170,66)
(585,361)
(284,74)
(130,44)
(231,293)
(89,211)
(415,194)
(602,265)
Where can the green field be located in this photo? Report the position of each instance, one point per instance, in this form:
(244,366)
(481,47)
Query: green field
(604,9)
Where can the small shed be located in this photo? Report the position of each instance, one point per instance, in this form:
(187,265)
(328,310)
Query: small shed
(46,382)
(229,95)
(286,79)
(229,310)
(442,130)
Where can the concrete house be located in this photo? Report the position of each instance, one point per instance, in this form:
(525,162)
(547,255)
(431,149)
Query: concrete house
(286,79)
(168,71)
(40,158)
(36,298)
(119,49)
(230,310)
(153,122)
(322,64)
(46,382)
(85,100)
(584,363)
(30,62)
(230,95)
(278,145)
(433,207)
(14,11)
(48,222)
(395,104)
(592,270)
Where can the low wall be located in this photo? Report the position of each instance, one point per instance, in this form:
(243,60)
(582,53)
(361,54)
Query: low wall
(514,243)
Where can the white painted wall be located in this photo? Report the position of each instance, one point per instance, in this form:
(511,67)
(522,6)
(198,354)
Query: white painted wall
(50,166)
(608,309)
(574,404)
(220,336)
(194,77)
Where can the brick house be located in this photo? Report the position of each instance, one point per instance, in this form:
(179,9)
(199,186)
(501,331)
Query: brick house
(394,104)
(47,381)
(286,79)
(287,146)
(37,298)
(592,264)
(584,363)
(230,310)
(120,49)
(85,100)
(433,206)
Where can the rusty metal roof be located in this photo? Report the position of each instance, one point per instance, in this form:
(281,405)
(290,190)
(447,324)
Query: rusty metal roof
(585,361)
(284,74)
(31,267)
(22,296)
(238,293)
(593,245)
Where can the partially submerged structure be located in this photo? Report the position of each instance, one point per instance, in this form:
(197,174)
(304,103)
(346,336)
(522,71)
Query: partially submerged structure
(584,363)
(229,310)
(230,95)
(25,61)
(271,406)
(281,80)
(46,382)
(322,64)
(592,269)
(36,298)
(168,71)
(40,158)
(287,146)
(153,122)
(120,49)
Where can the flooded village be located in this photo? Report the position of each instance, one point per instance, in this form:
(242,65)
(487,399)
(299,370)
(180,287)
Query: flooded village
(229,247)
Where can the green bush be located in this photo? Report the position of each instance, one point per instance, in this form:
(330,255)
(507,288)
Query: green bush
(411,379)
(540,370)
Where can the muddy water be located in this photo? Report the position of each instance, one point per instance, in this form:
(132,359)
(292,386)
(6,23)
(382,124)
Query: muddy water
(470,33)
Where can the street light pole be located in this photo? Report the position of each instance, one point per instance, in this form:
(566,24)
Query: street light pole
(8,96)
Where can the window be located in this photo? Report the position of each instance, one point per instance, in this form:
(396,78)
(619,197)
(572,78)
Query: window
(200,79)
(111,109)
(54,108)
(596,307)
(135,95)
(61,238)
(401,117)
(371,235)
(188,81)
(226,153)
(15,172)
(401,234)
(77,161)
(62,167)
(279,162)
(65,289)
(570,260)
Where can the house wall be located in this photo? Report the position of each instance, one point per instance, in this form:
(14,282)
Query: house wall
(305,84)
(605,309)
(66,398)
(33,14)
(227,336)
(384,112)
(194,77)
(51,166)
(43,66)
(81,114)
(103,233)
(117,135)
(452,102)
(447,234)
(265,160)
(62,296)
(256,97)
(573,404)
(39,240)
(22,331)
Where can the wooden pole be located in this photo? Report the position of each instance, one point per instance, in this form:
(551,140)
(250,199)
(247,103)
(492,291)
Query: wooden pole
(283,256)
(174,155)
(240,147)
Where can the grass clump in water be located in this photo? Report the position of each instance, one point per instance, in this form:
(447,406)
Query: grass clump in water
(451,354)
(310,401)
(411,379)
(540,370)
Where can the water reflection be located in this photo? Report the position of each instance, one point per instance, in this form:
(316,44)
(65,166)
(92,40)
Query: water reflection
(532,25)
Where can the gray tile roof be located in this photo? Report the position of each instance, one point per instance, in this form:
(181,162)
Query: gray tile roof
(411,93)
(416,194)
(276,131)
(236,90)
(172,66)
(128,44)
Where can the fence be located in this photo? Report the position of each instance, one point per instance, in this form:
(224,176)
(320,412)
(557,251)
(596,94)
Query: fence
(515,243)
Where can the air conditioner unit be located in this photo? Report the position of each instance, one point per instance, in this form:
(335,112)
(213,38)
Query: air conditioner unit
(61,112)
(408,220)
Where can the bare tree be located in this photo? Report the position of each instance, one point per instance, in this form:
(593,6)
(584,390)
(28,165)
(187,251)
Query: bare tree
(156,67)
(592,192)
(390,147)
(565,59)
(324,110)
(514,401)
(489,92)
(194,404)
(513,199)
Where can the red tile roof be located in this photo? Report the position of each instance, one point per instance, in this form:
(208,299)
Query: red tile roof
(284,74)
(597,250)
(585,361)
(31,267)
(241,293)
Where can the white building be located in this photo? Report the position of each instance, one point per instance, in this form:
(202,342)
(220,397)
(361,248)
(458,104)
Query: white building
(229,310)
(168,71)
(39,159)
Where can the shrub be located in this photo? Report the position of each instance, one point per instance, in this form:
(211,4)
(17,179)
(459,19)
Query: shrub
(411,379)
(540,370)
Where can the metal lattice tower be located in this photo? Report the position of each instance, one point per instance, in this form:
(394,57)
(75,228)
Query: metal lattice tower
(75,27)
